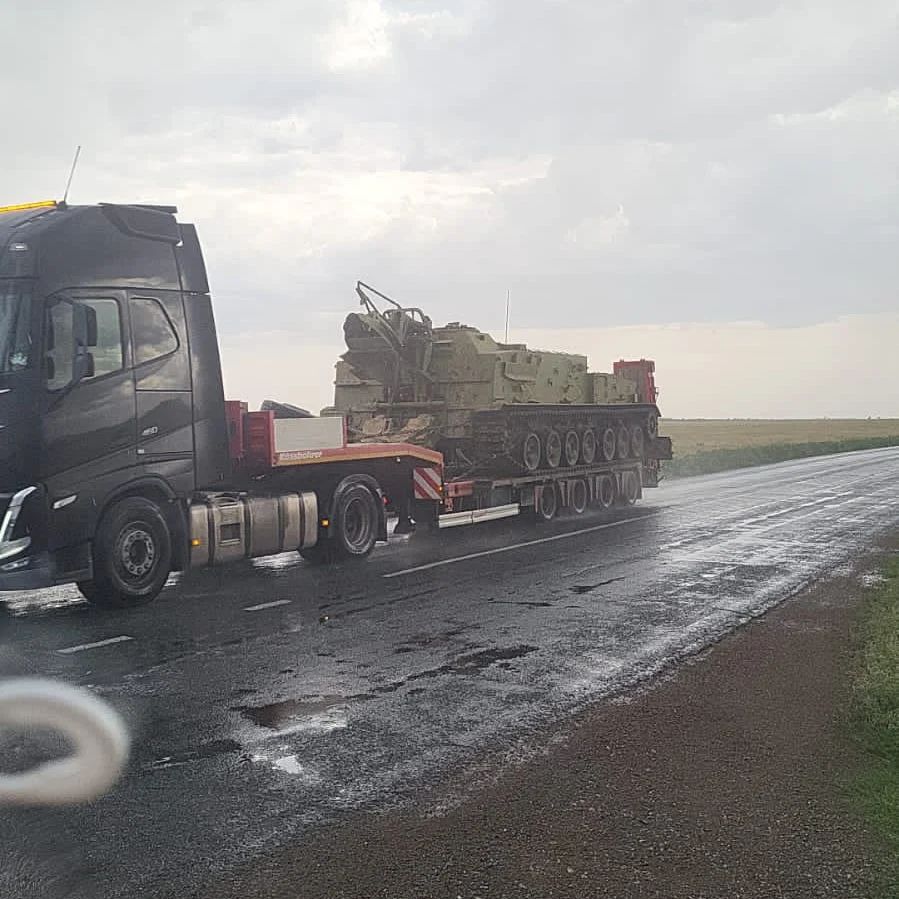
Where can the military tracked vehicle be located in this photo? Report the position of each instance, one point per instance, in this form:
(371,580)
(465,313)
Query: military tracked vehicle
(489,407)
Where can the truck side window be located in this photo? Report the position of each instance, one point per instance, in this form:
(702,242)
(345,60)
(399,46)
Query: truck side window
(108,351)
(152,333)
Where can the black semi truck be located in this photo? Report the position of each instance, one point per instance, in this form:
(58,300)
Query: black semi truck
(120,460)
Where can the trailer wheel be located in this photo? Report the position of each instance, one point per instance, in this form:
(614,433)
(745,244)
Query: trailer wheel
(622,442)
(637,442)
(630,487)
(588,446)
(609,442)
(548,504)
(578,496)
(132,555)
(606,491)
(553,448)
(355,523)
(530,451)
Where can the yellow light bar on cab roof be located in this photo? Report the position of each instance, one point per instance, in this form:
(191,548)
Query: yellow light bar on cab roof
(24,207)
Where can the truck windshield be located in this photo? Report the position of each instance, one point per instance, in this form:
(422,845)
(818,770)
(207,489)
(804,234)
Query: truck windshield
(15,326)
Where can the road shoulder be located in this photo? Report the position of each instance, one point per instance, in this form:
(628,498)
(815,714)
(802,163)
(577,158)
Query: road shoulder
(720,779)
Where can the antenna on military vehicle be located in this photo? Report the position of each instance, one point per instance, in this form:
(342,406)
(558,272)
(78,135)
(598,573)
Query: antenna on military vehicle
(65,196)
(508,299)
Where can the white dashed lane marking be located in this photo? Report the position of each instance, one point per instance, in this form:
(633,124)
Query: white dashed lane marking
(267,605)
(505,549)
(124,638)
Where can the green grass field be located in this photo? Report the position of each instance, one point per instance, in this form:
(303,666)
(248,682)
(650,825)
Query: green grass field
(873,718)
(702,446)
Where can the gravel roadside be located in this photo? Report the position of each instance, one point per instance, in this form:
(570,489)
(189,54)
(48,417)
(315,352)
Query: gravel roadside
(717,781)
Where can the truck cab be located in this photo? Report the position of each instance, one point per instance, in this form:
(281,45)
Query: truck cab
(110,386)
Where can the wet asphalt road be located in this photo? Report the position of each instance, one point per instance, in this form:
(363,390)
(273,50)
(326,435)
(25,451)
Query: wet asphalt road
(266,698)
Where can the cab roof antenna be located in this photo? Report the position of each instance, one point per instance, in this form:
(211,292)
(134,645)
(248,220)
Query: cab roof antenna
(65,196)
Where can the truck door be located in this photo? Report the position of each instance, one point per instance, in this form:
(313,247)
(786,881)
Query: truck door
(88,399)
(160,353)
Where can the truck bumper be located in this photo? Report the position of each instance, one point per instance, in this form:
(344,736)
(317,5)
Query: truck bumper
(24,565)
(27,573)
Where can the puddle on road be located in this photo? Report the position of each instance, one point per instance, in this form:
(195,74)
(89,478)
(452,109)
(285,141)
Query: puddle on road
(278,715)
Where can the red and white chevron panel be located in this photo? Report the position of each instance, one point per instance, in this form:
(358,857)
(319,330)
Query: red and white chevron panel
(427,483)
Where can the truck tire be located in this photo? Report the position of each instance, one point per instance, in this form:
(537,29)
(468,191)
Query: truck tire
(354,524)
(132,555)
(605,494)
(579,496)
(547,506)
(630,488)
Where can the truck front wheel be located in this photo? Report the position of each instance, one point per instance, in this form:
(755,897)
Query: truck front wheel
(132,555)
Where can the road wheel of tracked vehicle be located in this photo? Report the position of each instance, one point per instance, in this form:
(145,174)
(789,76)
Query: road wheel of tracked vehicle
(588,446)
(630,487)
(355,523)
(547,504)
(578,496)
(605,494)
(531,451)
(553,449)
(572,448)
(652,424)
(637,442)
(609,443)
(622,442)
(132,555)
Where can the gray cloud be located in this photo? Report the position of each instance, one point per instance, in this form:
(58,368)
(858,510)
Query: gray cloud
(620,162)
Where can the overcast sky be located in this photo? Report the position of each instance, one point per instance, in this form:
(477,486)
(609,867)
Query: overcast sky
(613,163)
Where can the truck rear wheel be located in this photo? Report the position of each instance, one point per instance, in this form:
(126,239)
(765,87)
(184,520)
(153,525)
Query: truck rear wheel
(355,524)
(132,555)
